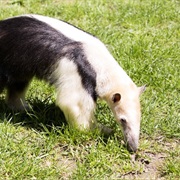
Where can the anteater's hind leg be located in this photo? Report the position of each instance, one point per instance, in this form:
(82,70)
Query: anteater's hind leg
(16,95)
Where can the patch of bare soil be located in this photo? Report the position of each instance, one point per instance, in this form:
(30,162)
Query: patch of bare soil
(151,167)
(152,163)
(59,159)
(149,163)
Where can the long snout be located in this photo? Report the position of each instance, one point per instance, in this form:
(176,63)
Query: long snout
(132,140)
(132,144)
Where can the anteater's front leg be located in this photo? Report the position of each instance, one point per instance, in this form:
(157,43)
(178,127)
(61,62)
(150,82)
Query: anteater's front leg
(78,111)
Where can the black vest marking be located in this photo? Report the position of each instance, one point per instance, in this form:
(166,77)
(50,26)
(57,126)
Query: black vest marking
(29,47)
(74,51)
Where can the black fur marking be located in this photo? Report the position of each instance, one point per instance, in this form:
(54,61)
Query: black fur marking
(29,47)
(88,74)
(16,88)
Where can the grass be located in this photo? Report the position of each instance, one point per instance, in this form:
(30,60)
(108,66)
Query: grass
(144,38)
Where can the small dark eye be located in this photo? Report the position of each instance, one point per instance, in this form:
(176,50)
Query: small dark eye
(123,120)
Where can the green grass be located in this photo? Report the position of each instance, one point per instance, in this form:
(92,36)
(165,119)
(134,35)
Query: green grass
(143,36)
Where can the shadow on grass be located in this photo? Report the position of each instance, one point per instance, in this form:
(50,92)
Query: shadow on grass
(41,114)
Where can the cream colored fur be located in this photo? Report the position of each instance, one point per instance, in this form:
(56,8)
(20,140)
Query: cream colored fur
(111,78)
(77,105)
(72,98)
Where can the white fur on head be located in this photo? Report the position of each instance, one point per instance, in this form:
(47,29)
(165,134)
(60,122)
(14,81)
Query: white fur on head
(127,113)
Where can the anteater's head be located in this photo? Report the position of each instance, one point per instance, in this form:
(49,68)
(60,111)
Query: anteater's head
(125,105)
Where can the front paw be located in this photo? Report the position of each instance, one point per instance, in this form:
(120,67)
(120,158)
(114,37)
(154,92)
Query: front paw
(105,130)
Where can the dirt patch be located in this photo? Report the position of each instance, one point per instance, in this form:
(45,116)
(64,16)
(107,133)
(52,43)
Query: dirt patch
(152,162)
(66,165)
(60,159)
(147,164)
(151,168)
(69,166)
(150,165)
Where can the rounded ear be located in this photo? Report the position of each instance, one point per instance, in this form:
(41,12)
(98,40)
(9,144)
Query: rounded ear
(116,97)
(142,89)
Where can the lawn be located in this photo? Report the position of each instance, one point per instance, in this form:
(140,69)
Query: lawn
(144,37)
